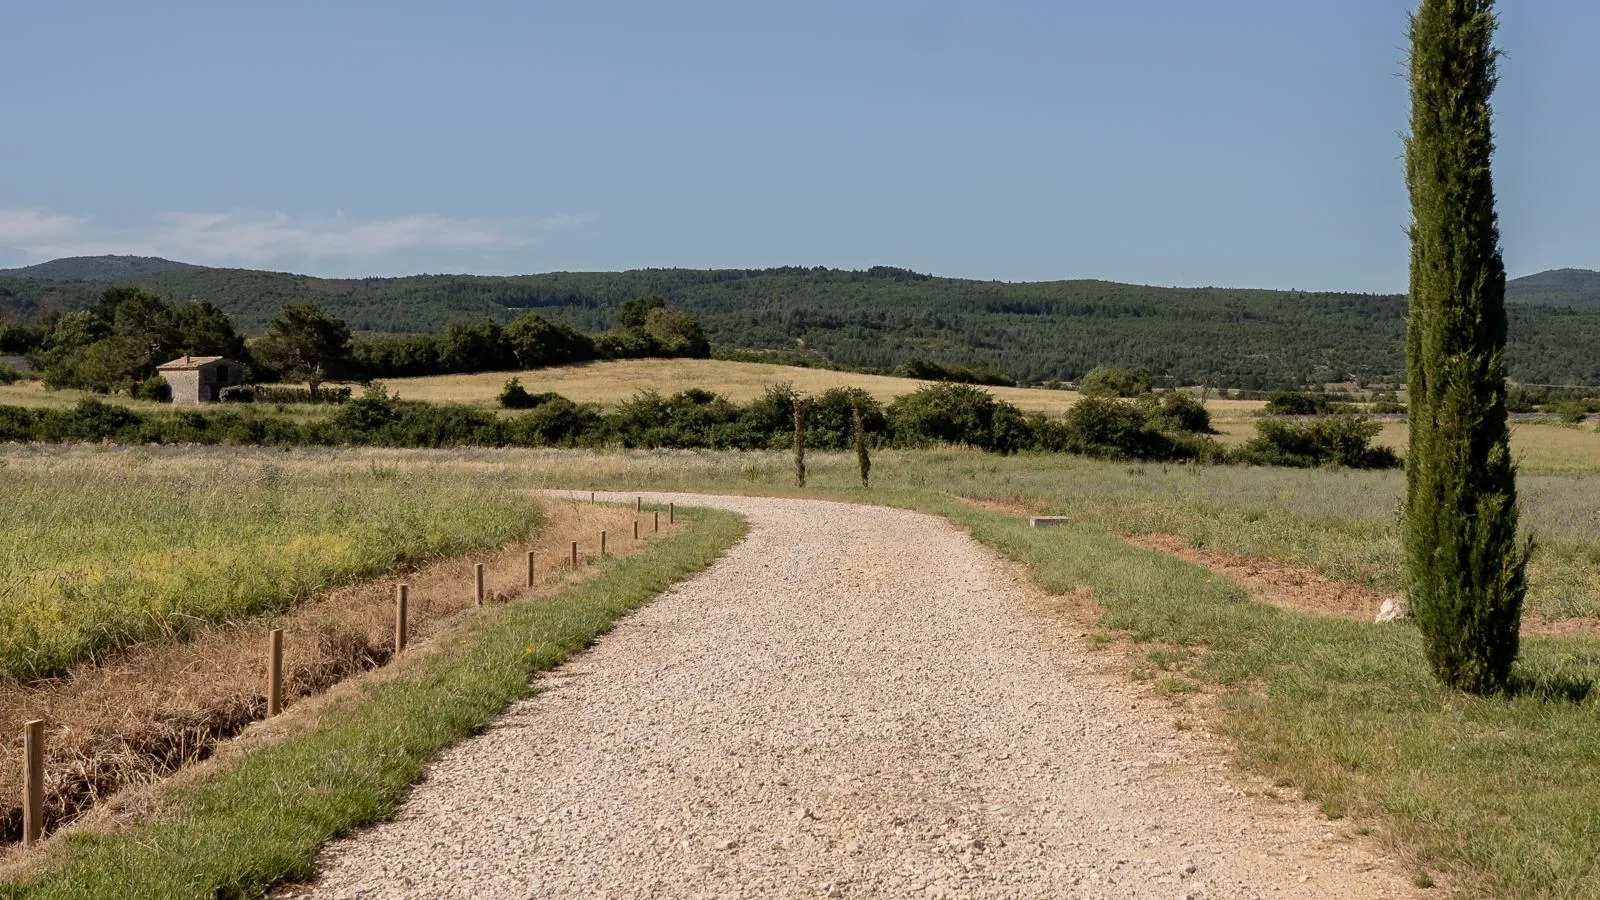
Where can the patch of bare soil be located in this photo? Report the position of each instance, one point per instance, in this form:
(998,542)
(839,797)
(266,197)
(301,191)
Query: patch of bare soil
(1306,590)
(1285,585)
(161,706)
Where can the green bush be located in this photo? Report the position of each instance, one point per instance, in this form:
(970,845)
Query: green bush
(1108,428)
(9,376)
(155,389)
(830,418)
(556,422)
(242,393)
(276,393)
(1176,411)
(928,370)
(1298,403)
(692,418)
(956,414)
(1115,381)
(515,396)
(1341,441)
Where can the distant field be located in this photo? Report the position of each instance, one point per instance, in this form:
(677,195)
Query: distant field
(34,394)
(1543,447)
(610,383)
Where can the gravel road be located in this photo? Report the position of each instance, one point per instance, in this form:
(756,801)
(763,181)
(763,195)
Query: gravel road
(854,702)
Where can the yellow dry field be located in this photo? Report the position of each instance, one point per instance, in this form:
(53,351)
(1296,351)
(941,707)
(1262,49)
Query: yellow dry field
(1543,447)
(35,394)
(610,383)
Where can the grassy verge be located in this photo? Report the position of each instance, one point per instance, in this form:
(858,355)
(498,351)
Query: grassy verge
(260,823)
(1502,792)
(100,549)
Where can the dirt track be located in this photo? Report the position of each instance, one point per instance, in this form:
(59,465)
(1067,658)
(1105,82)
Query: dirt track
(855,702)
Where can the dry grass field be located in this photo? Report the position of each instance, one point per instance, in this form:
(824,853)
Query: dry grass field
(609,383)
(103,549)
(1542,447)
(32,394)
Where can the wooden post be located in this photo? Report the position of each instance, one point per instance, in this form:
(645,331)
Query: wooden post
(591,496)
(274,672)
(636,529)
(602,542)
(477,583)
(658,519)
(638,504)
(672,515)
(32,782)
(402,602)
(530,568)
(574,554)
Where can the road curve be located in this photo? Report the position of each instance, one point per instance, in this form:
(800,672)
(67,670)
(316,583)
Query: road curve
(854,702)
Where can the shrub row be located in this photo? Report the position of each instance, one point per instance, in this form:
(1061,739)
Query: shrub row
(1163,427)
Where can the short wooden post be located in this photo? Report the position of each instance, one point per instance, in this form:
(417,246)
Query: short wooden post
(636,529)
(672,515)
(638,504)
(530,568)
(602,542)
(274,672)
(658,519)
(402,602)
(591,496)
(574,554)
(477,583)
(32,782)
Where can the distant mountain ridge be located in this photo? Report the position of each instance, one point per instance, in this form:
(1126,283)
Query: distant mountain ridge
(96,268)
(880,317)
(1578,288)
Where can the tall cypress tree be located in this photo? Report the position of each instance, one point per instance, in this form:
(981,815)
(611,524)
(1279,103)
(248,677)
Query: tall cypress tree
(863,461)
(1464,559)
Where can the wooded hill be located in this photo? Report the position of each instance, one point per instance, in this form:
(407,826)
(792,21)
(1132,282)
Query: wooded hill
(1041,331)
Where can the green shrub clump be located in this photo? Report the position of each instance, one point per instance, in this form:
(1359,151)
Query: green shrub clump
(1342,441)
(155,389)
(1115,381)
(957,414)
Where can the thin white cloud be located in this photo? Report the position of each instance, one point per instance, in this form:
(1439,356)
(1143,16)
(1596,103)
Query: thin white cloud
(22,226)
(256,237)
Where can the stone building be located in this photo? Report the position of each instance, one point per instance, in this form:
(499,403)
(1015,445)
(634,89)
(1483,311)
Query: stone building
(200,379)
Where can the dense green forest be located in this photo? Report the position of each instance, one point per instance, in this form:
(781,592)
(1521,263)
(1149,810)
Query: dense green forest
(878,318)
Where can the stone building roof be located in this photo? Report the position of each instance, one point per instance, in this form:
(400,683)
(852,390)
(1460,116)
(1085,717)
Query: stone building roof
(188,362)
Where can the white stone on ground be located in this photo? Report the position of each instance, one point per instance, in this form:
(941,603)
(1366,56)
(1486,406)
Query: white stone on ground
(854,702)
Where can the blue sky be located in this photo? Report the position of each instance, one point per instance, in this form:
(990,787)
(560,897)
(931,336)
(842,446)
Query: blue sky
(1250,143)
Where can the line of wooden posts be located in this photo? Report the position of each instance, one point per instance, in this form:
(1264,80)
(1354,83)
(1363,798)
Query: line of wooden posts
(33,731)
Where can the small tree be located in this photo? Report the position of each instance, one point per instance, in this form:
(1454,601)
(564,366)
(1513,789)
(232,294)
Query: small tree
(1464,561)
(515,396)
(799,443)
(306,344)
(863,461)
(1115,381)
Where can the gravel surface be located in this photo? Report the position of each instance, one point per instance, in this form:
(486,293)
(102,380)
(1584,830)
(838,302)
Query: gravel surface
(854,702)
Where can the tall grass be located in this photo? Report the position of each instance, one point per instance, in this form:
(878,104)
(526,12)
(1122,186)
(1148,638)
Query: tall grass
(102,549)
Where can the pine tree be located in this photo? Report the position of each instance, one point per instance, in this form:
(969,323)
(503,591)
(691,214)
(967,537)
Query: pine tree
(799,442)
(1464,559)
